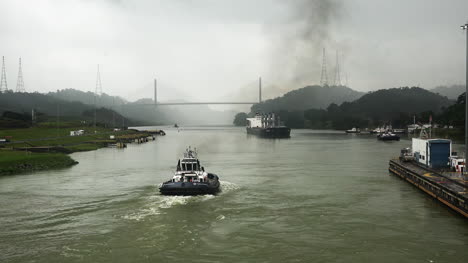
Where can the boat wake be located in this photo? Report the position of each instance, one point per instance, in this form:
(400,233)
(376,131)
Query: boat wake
(157,204)
(227,187)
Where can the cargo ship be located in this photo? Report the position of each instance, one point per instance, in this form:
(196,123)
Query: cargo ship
(431,166)
(267,126)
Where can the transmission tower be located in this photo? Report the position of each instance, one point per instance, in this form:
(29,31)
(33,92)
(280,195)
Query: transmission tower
(20,82)
(324,76)
(98,83)
(97,92)
(337,81)
(344,72)
(3,84)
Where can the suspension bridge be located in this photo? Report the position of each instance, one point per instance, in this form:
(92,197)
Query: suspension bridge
(157,103)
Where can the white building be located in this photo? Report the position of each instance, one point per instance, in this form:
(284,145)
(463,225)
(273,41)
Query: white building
(434,153)
(76,133)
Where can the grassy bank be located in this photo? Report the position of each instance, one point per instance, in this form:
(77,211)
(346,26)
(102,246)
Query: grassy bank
(51,137)
(15,162)
(53,143)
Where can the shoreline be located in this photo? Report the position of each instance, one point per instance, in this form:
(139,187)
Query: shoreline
(32,153)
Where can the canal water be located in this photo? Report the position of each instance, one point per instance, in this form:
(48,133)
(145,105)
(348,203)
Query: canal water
(321,196)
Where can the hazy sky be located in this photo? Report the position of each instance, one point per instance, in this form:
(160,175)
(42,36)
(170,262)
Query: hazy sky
(215,49)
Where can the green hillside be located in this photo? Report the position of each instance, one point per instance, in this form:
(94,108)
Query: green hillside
(310,97)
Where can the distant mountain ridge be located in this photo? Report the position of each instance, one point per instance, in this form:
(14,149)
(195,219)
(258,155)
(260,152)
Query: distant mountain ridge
(452,92)
(148,113)
(310,97)
(390,101)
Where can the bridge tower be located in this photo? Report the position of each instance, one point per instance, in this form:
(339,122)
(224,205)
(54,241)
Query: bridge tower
(155,92)
(260,90)
(20,82)
(3,84)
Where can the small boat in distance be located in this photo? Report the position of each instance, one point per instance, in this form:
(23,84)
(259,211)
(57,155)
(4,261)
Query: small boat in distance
(176,126)
(388,136)
(190,178)
(354,130)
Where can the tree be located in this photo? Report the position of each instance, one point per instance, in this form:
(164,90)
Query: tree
(240,119)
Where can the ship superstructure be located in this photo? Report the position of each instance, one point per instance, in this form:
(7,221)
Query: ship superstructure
(267,126)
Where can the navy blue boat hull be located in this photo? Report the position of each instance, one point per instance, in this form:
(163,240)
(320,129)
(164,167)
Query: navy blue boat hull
(190,188)
(389,138)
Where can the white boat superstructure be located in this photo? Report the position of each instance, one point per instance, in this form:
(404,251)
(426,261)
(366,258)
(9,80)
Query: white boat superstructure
(189,168)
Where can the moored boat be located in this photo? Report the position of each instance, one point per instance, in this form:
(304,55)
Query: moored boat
(388,136)
(354,130)
(190,178)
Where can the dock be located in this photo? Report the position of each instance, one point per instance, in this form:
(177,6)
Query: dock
(450,189)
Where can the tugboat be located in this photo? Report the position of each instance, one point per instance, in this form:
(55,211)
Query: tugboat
(190,178)
(388,136)
(267,126)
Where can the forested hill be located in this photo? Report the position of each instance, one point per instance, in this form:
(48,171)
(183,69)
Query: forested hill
(388,102)
(103,100)
(395,106)
(310,97)
(46,106)
(25,102)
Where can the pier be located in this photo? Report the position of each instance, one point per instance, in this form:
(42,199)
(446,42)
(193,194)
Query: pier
(450,189)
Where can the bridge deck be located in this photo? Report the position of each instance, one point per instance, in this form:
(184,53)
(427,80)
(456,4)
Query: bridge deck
(197,103)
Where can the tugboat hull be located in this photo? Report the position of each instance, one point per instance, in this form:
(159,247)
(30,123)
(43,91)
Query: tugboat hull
(273,132)
(190,188)
(388,138)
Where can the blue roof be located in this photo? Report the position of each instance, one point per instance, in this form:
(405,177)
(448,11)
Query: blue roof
(439,141)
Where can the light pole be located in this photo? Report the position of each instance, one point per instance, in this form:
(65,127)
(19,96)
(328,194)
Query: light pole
(465,28)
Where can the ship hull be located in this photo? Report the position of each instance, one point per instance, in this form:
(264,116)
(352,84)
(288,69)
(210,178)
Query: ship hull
(190,188)
(273,132)
(388,138)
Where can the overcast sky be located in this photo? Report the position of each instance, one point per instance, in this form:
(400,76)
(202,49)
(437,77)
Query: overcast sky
(216,49)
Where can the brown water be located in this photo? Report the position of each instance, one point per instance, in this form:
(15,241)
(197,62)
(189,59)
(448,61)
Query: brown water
(321,196)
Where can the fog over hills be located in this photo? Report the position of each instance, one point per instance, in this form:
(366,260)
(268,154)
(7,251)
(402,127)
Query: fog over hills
(452,92)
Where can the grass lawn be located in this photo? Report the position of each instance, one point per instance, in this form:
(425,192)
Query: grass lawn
(46,132)
(13,162)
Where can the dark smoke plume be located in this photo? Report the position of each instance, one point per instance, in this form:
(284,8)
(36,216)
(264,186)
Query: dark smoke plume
(298,41)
